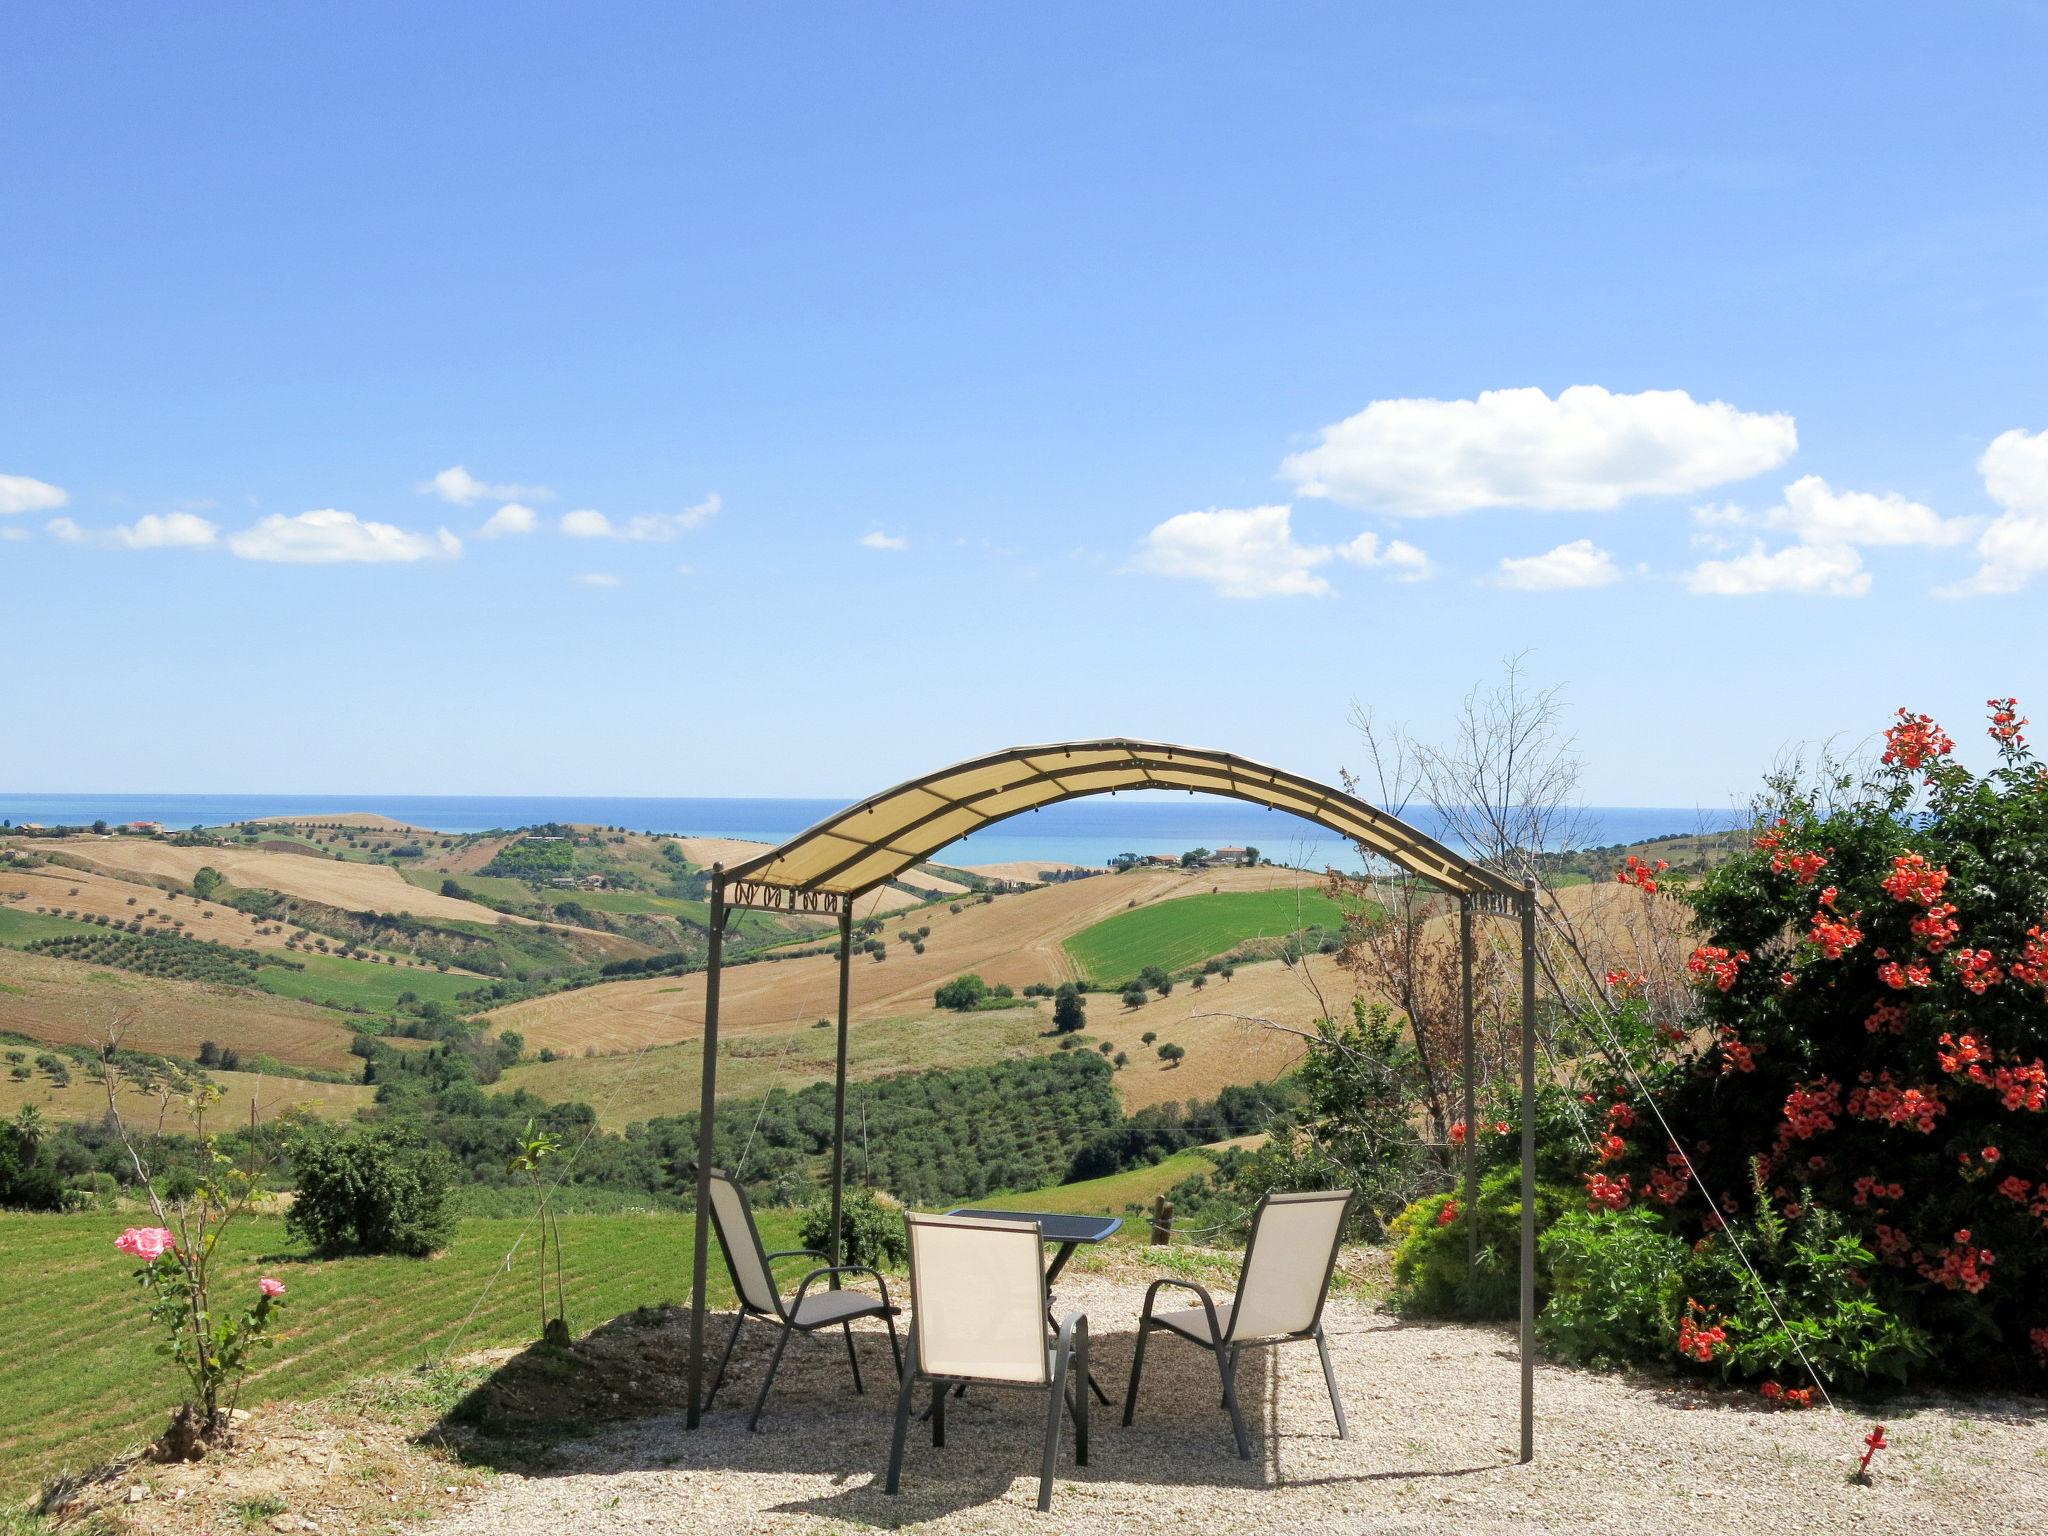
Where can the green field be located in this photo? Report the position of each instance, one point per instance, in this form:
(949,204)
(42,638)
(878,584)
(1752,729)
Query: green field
(1113,1195)
(83,1381)
(331,979)
(1187,930)
(497,887)
(663,1081)
(19,929)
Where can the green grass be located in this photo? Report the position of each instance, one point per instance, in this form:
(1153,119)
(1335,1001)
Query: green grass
(333,980)
(497,887)
(1112,1195)
(1187,930)
(18,929)
(83,1381)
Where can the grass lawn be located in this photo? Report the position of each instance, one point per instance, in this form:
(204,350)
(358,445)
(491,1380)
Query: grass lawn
(18,929)
(1187,930)
(76,1350)
(331,979)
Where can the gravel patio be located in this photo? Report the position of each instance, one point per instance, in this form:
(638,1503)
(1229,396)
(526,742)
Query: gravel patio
(1432,1414)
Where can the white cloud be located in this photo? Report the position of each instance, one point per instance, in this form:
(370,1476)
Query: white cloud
(328,537)
(1586,450)
(459,487)
(1580,563)
(1819,514)
(2014,546)
(1242,553)
(597,579)
(153,530)
(18,493)
(512,518)
(1399,559)
(1813,570)
(881,540)
(649,528)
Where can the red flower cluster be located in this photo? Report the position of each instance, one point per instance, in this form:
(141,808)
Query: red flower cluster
(1835,935)
(1664,1188)
(1962,1056)
(1698,1337)
(1901,977)
(1641,873)
(1937,927)
(1448,1214)
(1804,867)
(1976,969)
(1914,879)
(1458,1134)
(1810,1110)
(1605,1193)
(1737,1055)
(1914,742)
(2032,965)
(1892,1244)
(1620,1116)
(1890,1104)
(1964,1267)
(1869,1189)
(2006,722)
(2015,1188)
(1710,960)
(1887,1017)
(1610,1149)
(1775,838)
(1628,983)
(2017,1087)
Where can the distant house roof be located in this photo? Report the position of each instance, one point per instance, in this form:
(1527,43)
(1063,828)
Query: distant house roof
(1231,853)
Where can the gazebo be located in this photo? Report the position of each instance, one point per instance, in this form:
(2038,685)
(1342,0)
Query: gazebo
(825,869)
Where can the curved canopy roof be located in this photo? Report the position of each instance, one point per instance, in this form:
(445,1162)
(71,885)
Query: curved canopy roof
(872,842)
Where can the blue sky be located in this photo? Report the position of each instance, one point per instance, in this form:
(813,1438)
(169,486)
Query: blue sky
(943,377)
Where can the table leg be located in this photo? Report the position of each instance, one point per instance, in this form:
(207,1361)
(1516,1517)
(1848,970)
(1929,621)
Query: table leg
(1052,1273)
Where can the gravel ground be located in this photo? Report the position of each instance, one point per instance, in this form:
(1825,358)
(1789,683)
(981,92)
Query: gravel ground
(1433,1424)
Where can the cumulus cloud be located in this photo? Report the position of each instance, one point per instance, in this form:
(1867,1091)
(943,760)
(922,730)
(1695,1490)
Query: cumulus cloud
(1580,563)
(650,527)
(458,487)
(597,579)
(881,540)
(2013,546)
(1398,558)
(1811,570)
(19,493)
(1819,514)
(328,537)
(512,518)
(1251,552)
(1587,450)
(153,530)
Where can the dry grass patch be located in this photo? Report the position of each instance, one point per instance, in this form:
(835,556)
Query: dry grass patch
(271,1097)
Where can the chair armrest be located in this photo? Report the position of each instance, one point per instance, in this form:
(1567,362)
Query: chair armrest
(793,1253)
(839,1269)
(1208,1302)
(1074,1325)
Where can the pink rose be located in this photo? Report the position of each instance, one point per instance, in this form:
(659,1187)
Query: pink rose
(146,1243)
(270,1287)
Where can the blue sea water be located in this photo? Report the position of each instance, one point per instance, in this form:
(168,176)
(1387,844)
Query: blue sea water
(1075,832)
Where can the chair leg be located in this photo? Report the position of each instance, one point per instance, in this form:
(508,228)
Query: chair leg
(774,1361)
(739,1316)
(895,1349)
(903,1390)
(852,1358)
(1081,1398)
(1225,1401)
(938,1413)
(1330,1381)
(1137,1368)
(1225,1361)
(1054,1410)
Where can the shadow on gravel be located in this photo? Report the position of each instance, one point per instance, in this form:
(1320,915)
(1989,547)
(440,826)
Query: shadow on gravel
(614,1402)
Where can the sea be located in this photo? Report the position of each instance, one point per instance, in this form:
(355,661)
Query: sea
(1090,831)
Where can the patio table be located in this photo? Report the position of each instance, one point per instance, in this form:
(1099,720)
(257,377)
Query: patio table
(1069,1232)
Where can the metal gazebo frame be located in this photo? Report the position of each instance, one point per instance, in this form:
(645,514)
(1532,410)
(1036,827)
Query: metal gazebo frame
(825,869)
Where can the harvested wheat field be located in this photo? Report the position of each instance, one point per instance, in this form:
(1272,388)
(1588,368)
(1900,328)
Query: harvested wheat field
(1014,939)
(269,1097)
(68,1002)
(350,885)
(1024,871)
(1432,1448)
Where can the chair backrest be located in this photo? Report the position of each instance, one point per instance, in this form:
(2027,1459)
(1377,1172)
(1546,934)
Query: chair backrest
(1287,1263)
(977,1297)
(745,1258)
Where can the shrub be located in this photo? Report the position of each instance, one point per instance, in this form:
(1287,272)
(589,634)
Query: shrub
(1430,1273)
(962,993)
(1068,1015)
(870,1231)
(1134,997)
(1617,1286)
(370,1192)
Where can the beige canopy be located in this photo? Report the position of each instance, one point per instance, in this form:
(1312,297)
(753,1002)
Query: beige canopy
(871,843)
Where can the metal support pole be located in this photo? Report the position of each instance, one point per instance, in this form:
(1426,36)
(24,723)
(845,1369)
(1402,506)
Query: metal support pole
(1471,1092)
(707,1105)
(1528,1331)
(839,1085)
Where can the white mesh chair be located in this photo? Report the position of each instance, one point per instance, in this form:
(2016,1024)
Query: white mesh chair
(1280,1294)
(978,1313)
(753,1282)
